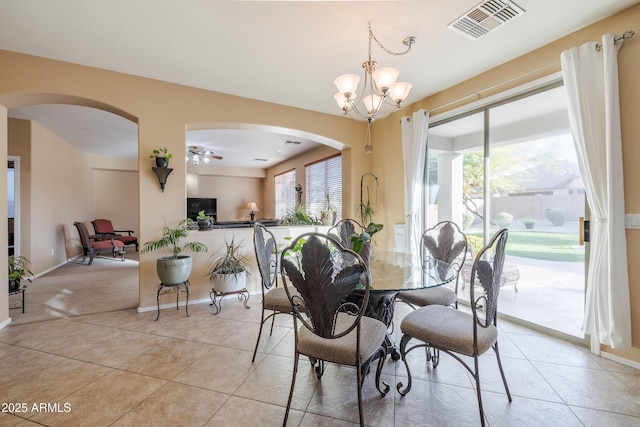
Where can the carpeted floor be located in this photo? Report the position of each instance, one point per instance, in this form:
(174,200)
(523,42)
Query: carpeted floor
(77,289)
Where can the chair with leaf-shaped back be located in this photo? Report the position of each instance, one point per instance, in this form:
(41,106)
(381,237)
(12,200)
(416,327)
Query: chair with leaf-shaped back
(319,274)
(274,298)
(446,244)
(342,232)
(458,333)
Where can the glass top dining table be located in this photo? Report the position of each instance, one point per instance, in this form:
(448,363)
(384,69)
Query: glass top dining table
(393,272)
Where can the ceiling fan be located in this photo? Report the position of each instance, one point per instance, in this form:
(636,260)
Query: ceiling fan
(196,154)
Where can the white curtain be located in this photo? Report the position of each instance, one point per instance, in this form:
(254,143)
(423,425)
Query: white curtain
(414,151)
(591,80)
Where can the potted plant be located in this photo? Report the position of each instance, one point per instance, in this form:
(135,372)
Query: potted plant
(529,224)
(162,157)
(229,270)
(205,222)
(361,243)
(328,213)
(175,269)
(18,269)
(298,216)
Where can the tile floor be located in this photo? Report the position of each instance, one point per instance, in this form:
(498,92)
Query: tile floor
(122,368)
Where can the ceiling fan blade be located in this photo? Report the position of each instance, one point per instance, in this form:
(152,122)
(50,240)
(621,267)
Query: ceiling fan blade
(214,156)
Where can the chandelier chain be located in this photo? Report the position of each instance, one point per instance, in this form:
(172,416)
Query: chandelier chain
(409,41)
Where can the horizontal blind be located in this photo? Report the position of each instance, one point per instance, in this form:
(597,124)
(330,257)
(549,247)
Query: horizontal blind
(324,178)
(285,184)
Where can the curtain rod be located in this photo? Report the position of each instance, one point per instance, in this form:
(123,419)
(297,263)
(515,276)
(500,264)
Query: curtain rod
(479,93)
(625,36)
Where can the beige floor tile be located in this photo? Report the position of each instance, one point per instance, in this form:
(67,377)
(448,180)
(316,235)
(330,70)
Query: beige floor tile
(270,382)
(123,347)
(313,420)
(593,418)
(336,397)
(167,359)
(18,362)
(221,369)
(526,412)
(245,338)
(174,405)
(104,401)
(590,388)
(239,412)
(54,383)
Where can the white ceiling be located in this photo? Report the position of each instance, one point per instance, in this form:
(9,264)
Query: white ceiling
(285,52)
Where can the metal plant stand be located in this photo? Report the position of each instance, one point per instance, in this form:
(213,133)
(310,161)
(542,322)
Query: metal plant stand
(169,289)
(217,297)
(16,303)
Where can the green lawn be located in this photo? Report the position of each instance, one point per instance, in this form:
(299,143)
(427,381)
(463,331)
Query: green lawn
(544,246)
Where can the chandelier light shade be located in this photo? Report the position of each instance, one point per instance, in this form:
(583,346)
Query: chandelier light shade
(379,88)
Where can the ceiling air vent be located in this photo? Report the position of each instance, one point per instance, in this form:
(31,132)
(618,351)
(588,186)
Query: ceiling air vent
(289,142)
(259,160)
(486,17)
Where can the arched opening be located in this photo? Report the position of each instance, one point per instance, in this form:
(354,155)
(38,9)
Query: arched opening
(78,162)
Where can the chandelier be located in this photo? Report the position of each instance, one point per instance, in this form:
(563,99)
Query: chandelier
(380,88)
(195,155)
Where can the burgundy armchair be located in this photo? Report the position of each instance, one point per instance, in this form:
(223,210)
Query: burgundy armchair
(93,247)
(104,230)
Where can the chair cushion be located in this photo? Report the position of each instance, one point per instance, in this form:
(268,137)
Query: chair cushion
(276,299)
(447,328)
(127,239)
(422,297)
(343,350)
(106,244)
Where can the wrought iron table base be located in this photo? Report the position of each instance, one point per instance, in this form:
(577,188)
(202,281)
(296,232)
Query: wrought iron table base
(243,295)
(168,289)
(382,307)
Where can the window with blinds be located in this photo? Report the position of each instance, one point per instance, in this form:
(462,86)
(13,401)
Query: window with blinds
(324,184)
(285,192)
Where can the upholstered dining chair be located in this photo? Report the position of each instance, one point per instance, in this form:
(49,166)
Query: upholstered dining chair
(274,298)
(93,246)
(333,330)
(447,243)
(459,333)
(104,229)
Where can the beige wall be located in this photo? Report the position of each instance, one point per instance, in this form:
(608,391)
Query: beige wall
(387,158)
(115,197)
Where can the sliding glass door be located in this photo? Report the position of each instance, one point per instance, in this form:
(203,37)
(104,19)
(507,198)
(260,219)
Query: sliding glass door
(513,165)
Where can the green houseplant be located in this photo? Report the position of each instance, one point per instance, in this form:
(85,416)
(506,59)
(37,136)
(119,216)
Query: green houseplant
(361,243)
(529,224)
(229,270)
(175,269)
(162,157)
(205,222)
(18,269)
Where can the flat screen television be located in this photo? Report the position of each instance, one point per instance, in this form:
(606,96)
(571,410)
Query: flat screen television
(197,204)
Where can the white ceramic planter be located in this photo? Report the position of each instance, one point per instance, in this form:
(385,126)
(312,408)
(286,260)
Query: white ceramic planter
(227,283)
